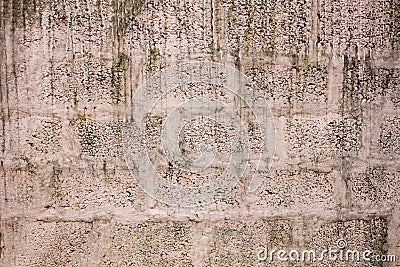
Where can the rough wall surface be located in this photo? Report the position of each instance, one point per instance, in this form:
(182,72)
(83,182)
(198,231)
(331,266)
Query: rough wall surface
(68,69)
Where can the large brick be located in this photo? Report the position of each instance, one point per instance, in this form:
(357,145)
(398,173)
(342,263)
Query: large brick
(374,187)
(382,135)
(149,244)
(236,243)
(289,89)
(39,137)
(359,234)
(323,139)
(47,243)
(367,86)
(389,137)
(98,139)
(359,27)
(297,189)
(267,28)
(35,187)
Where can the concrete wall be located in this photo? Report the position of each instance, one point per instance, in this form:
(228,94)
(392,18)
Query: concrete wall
(328,69)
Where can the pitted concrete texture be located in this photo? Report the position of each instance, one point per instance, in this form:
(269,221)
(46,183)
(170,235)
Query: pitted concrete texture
(330,71)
